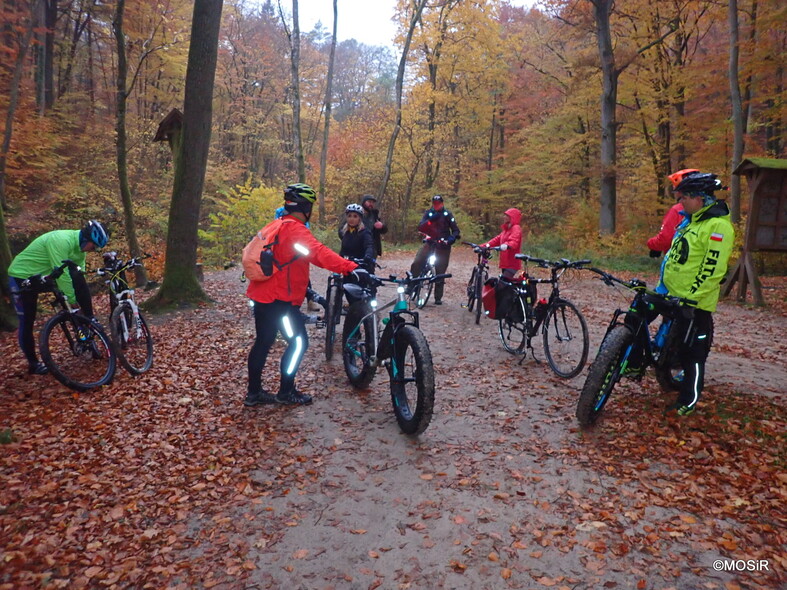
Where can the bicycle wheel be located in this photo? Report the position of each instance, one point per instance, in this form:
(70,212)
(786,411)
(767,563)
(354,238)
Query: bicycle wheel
(425,288)
(566,339)
(412,380)
(604,373)
(77,352)
(333,313)
(513,328)
(471,291)
(131,339)
(358,345)
(479,285)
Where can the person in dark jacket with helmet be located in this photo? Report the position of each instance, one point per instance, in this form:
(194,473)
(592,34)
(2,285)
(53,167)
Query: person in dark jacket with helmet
(356,239)
(372,222)
(45,253)
(693,269)
(440,228)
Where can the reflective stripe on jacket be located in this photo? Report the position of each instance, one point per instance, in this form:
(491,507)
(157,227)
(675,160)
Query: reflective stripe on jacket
(289,284)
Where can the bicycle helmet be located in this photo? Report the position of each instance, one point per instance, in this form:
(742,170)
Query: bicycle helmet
(299,197)
(699,184)
(354,208)
(676,177)
(437,198)
(94,232)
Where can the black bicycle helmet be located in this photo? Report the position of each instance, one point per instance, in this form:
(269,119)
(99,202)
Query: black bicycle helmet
(95,232)
(299,197)
(699,184)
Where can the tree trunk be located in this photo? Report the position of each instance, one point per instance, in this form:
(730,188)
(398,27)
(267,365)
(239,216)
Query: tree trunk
(180,282)
(418,7)
(13,102)
(295,64)
(737,113)
(328,101)
(609,84)
(122,163)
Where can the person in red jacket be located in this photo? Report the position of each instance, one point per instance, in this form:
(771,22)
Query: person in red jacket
(277,301)
(510,242)
(661,242)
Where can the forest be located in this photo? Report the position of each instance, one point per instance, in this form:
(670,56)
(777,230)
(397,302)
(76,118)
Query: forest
(573,111)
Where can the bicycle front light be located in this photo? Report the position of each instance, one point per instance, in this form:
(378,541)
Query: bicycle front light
(432,259)
(373,303)
(400,290)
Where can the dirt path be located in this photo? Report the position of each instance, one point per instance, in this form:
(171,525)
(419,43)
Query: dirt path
(168,481)
(500,491)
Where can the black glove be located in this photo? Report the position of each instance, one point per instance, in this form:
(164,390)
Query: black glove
(359,276)
(450,240)
(655,253)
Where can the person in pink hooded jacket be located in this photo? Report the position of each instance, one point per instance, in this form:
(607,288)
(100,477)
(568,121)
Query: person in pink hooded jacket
(672,219)
(510,242)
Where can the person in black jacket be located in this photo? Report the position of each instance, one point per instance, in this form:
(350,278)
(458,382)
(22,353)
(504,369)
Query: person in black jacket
(372,222)
(356,238)
(440,228)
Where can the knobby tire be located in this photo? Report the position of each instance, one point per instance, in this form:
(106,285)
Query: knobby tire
(333,313)
(471,293)
(358,346)
(514,333)
(77,364)
(479,285)
(604,373)
(133,343)
(412,380)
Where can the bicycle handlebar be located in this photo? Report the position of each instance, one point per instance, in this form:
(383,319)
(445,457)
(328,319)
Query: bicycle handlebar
(128,265)
(481,247)
(639,285)
(562,263)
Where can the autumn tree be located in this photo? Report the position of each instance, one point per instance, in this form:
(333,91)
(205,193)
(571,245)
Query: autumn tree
(180,277)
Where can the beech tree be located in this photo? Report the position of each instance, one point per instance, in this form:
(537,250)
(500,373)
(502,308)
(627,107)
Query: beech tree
(180,282)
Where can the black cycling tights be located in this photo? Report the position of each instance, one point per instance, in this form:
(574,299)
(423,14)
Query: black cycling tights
(269,320)
(696,338)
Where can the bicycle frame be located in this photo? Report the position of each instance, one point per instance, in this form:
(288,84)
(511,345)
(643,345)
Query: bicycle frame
(119,289)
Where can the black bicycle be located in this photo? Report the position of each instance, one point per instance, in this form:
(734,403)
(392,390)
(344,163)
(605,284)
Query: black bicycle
(420,291)
(401,347)
(563,328)
(75,349)
(128,328)
(478,277)
(333,307)
(628,347)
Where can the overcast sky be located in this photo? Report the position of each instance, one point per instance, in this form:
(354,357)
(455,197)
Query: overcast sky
(367,21)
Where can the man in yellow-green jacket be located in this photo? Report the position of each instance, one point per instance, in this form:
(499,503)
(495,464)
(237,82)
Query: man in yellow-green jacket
(693,268)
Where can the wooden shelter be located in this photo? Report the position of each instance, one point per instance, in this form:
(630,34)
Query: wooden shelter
(766,225)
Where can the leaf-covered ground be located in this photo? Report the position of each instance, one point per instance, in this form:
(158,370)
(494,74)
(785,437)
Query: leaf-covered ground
(167,481)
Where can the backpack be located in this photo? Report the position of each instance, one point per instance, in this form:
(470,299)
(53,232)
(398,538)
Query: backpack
(259,256)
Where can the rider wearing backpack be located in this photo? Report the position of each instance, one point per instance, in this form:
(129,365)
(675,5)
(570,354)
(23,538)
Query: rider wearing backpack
(277,300)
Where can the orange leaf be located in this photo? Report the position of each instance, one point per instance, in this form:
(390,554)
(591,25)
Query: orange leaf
(506,573)
(300,553)
(544,581)
(493,556)
(641,585)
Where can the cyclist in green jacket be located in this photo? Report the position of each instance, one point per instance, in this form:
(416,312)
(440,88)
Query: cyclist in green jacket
(693,268)
(39,258)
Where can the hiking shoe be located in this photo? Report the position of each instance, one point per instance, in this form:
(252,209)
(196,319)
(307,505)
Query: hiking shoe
(37,369)
(258,399)
(293,397)
(438,302)
(681,409)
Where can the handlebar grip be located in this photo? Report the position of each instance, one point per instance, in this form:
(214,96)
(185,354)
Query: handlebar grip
(446,275)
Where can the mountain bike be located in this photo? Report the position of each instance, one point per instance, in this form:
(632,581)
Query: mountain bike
(333,308)
(401,347)
(128,328)
(75,349)
(628,348)
(420,291)
(563,328)
(478,277)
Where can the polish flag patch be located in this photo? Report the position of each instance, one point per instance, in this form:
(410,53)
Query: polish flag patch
(717,237)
